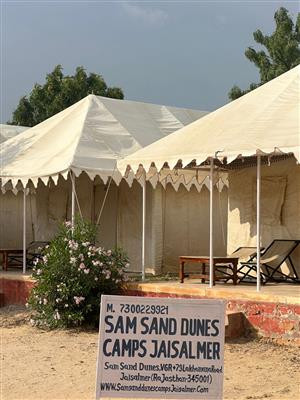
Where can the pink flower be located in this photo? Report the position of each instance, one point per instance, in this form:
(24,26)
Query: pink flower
(73,245)
(78,299)
(81,266)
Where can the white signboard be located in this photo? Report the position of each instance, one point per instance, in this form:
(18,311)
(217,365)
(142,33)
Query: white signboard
(160,348)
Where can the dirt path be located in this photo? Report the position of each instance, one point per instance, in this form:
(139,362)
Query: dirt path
(57,365)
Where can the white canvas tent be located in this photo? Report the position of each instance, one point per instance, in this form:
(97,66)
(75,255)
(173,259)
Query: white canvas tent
(263,122)
(280,206)
(9,131)
(11,205)
(88,136)
(87,139)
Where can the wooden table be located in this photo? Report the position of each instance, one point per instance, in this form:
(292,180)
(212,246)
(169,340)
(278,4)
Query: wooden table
(219,262)
(6,253)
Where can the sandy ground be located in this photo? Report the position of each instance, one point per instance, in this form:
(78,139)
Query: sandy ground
(54,365)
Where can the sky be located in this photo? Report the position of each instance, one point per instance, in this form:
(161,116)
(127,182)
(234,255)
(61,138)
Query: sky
(181,53)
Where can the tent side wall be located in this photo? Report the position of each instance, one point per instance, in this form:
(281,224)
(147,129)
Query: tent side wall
(130,225)
(280,205)
(186,224)
(53,205)
(176,222)
(11,219)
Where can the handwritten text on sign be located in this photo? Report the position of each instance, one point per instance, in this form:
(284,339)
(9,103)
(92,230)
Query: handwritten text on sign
(160,348)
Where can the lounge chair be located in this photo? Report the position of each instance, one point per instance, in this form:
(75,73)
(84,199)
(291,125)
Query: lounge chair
(14,257)
(243,253)
(271,261)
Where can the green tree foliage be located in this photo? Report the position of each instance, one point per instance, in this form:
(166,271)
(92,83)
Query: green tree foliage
(59,92)
(282,51)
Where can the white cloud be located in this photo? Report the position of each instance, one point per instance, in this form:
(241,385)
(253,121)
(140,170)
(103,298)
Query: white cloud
(151,16)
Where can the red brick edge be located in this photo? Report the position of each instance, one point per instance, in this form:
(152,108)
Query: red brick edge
(15,291)
(273,320)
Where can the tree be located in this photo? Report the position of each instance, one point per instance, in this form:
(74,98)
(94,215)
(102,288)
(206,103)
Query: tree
(283,51)
(58,93)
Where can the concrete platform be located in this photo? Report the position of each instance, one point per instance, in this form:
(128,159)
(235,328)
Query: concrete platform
(272,292)
(272,312)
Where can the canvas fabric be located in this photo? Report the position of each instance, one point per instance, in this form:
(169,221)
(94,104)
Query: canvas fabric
(89,136)
(9,131)
(280,205)
(121,220)
(264,121)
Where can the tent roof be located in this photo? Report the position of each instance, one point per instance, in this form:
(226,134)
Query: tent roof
(266,120)
(9,131)
(88,136)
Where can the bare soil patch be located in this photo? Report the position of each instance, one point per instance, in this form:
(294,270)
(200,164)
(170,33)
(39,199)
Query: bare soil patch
(60,365)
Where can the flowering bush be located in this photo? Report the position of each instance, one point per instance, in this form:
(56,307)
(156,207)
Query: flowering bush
(71,276)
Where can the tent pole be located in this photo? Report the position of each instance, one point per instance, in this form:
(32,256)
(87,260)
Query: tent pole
(144,229)
(211,251)
(73,200)
(24,230)
(258,188)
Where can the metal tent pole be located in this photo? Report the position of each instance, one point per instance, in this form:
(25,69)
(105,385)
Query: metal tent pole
(144,229)
(24,231)
(73,200)
(258,187)
(211,250)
